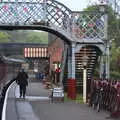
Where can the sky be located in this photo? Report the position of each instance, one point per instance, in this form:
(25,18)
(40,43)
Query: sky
(78,5)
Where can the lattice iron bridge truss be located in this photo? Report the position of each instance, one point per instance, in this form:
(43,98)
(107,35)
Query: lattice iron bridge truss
(82,25)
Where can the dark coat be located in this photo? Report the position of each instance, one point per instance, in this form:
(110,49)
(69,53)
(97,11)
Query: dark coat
(21,78)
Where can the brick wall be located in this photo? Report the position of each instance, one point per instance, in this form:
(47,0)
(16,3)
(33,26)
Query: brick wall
(55,50)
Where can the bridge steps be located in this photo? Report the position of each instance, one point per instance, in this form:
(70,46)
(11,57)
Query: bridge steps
(91,62)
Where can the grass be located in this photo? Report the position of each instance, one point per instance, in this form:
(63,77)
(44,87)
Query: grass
(79,98)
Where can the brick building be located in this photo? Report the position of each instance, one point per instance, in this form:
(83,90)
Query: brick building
(55,50)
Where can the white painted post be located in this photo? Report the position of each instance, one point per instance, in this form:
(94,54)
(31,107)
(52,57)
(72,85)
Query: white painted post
(84,85)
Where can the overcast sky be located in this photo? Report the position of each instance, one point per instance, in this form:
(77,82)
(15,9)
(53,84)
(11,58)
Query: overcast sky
(78,5)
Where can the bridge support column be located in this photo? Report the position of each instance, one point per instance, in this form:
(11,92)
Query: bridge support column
(69,63)
(107,59)
(71,69)
(73,61)
(107,62)
(101,67)
(69,66)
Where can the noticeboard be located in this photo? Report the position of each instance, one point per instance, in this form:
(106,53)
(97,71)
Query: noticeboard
(58,92)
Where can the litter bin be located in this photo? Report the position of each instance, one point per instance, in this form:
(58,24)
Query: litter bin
(71,93)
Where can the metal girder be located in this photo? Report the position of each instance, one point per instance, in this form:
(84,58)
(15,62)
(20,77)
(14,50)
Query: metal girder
(80,25)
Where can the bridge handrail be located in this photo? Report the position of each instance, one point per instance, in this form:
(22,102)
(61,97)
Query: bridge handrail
(81,25)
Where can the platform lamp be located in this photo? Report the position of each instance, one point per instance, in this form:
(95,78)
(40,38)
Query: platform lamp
(102,6)
(85,61)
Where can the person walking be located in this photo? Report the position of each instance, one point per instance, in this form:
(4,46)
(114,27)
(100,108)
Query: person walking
(22,81)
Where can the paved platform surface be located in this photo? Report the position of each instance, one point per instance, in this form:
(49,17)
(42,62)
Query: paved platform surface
(37,106)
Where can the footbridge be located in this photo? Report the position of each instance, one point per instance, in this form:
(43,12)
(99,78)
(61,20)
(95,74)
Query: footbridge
(84,32)
(52,16)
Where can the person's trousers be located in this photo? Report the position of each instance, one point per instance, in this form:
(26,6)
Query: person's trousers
(22,90)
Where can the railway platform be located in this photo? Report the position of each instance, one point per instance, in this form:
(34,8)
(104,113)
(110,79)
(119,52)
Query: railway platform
(37,106)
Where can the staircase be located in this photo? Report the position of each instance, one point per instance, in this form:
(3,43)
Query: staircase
(90,64)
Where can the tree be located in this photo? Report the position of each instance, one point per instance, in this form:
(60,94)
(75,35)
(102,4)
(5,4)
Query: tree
(28,36)
(113,22)
(113,33)
(37,37)
(4,37)
(17,35)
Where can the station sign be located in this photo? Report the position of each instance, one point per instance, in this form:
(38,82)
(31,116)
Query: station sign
(36,52)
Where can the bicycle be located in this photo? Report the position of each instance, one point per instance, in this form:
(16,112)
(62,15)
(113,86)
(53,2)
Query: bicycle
(97,99)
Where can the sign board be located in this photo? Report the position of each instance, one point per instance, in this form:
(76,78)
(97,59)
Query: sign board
(36,52)
(58,92)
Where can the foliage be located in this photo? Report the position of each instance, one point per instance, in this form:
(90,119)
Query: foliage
(115,75)
(113,22)
(24,36)
(4,37)
(115,58)
(37,37)
(113,33)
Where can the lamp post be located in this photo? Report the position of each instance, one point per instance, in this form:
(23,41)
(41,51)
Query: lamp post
(85,58)
(103,10)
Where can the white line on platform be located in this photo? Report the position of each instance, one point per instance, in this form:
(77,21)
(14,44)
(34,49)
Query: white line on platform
(5,103)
